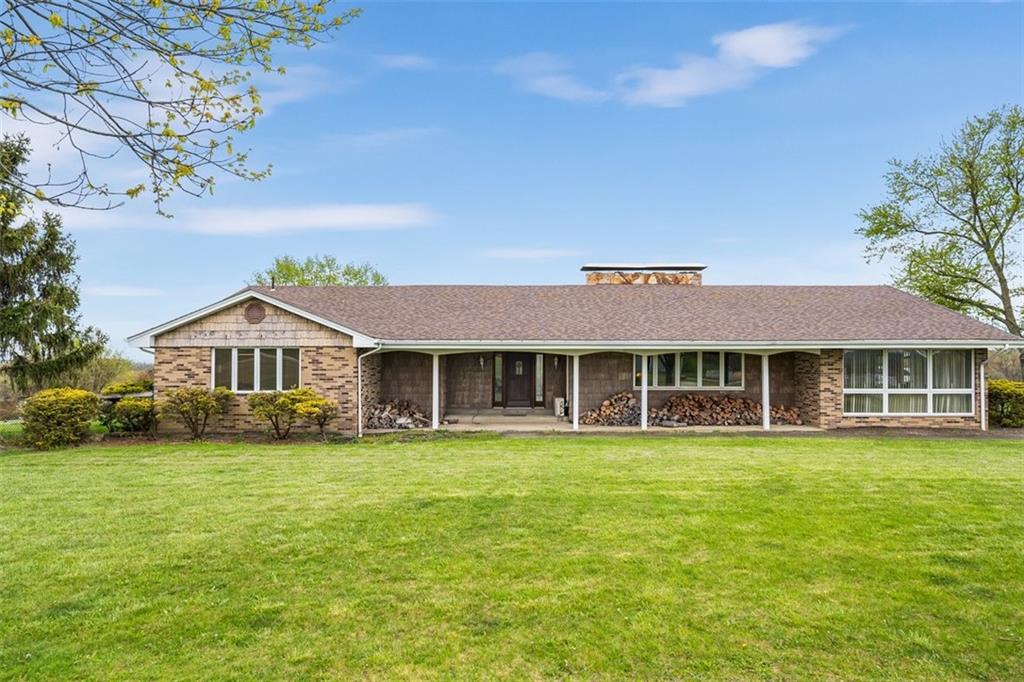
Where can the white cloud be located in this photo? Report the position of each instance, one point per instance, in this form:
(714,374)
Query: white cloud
(283,219)
(389,137)
(513,253)
(548,74)
(742,57)
(404,62)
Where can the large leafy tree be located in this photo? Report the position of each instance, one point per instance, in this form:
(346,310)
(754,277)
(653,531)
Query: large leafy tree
(953,221)
(40,336)
(168,82)
(318,271)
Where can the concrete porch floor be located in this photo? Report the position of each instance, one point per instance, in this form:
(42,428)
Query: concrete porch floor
(489,420)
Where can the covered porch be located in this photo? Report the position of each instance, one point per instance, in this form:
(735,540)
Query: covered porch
(535,389)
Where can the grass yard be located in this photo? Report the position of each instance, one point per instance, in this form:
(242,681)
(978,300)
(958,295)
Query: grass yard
(485,557)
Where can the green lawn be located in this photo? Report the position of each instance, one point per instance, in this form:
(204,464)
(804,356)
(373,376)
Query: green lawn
(488,557)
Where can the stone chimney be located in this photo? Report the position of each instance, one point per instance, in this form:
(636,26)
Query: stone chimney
(644,273)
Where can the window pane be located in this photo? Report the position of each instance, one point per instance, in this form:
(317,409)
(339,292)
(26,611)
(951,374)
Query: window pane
(688,369)
(268,369)
(289,368)
(637,369)
(862,369)
(908,369)
(951,369)
(900,403)
(862,404)
(499,377)
(733,369)
(246,369)
(711,370)
(222,368)
(666,369)
(538,379)
(952,404)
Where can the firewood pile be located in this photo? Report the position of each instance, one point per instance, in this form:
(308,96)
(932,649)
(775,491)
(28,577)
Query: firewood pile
(396,414)
(687,409)
(695,409)
(622,409)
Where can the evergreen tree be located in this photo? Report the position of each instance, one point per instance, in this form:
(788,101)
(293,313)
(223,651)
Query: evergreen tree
(40,337)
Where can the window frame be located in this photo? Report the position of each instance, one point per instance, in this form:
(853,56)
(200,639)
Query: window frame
(930,391)
(256,367)
(677,385)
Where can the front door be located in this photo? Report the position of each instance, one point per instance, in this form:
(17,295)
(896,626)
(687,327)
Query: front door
(519,379)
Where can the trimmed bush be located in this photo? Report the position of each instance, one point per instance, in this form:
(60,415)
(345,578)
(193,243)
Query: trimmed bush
(1006,402)
(57,417)
(193,407)
(135,415)
(140,385)
(318,411)
(280,408)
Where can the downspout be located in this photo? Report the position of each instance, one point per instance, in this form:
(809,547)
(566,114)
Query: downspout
(359,389)
(983,391)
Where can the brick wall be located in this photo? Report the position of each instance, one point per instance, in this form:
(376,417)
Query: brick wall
(328,370)
(371,381)
(831,397)
(407,375)
(468,385)
(807,387)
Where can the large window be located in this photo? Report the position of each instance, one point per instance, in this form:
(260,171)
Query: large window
(245,370)
(908,382)
(691,369)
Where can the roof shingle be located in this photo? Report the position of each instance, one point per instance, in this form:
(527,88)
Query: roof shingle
(637,313)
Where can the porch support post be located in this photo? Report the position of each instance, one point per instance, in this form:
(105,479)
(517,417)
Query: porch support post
(575,392)
(435,392)
(643,392)
(766,408)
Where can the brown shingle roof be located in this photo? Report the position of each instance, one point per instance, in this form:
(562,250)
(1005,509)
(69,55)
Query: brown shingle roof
(637,313)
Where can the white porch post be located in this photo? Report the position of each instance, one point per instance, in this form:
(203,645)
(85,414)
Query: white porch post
(766,408)
(575,392)
(643,392)
(983,393)
(435,393)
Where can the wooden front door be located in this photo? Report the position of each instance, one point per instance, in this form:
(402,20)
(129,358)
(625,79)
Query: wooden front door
(518,379)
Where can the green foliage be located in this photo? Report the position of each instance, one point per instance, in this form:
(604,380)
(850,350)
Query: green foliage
(194,406)
(951,220)
(317,271)
(139,384)
(40,338)
(280,408)
(1006,402)
(57,417)
(318,411)
(107,367)
(135,415)
(168,82)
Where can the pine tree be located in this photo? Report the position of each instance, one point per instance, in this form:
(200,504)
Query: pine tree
(40,336)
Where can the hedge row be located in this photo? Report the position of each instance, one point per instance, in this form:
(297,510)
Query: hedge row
(1006,403)
(59,417)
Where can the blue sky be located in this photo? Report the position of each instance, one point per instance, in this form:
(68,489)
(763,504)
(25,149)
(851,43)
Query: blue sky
(486,143)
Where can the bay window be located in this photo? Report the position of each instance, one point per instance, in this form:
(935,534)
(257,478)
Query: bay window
(691,369)
(908,382)
(245,370)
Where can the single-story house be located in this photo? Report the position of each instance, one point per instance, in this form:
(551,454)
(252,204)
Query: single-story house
(844,356)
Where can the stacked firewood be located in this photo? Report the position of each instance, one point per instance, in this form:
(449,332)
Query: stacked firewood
(697,409)
(396,414)
(622,409)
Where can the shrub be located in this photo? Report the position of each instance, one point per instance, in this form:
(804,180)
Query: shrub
(1006,402)
(194,407)
(318,411)
(57,417)
(280,408)
(137,385)
(135,415)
